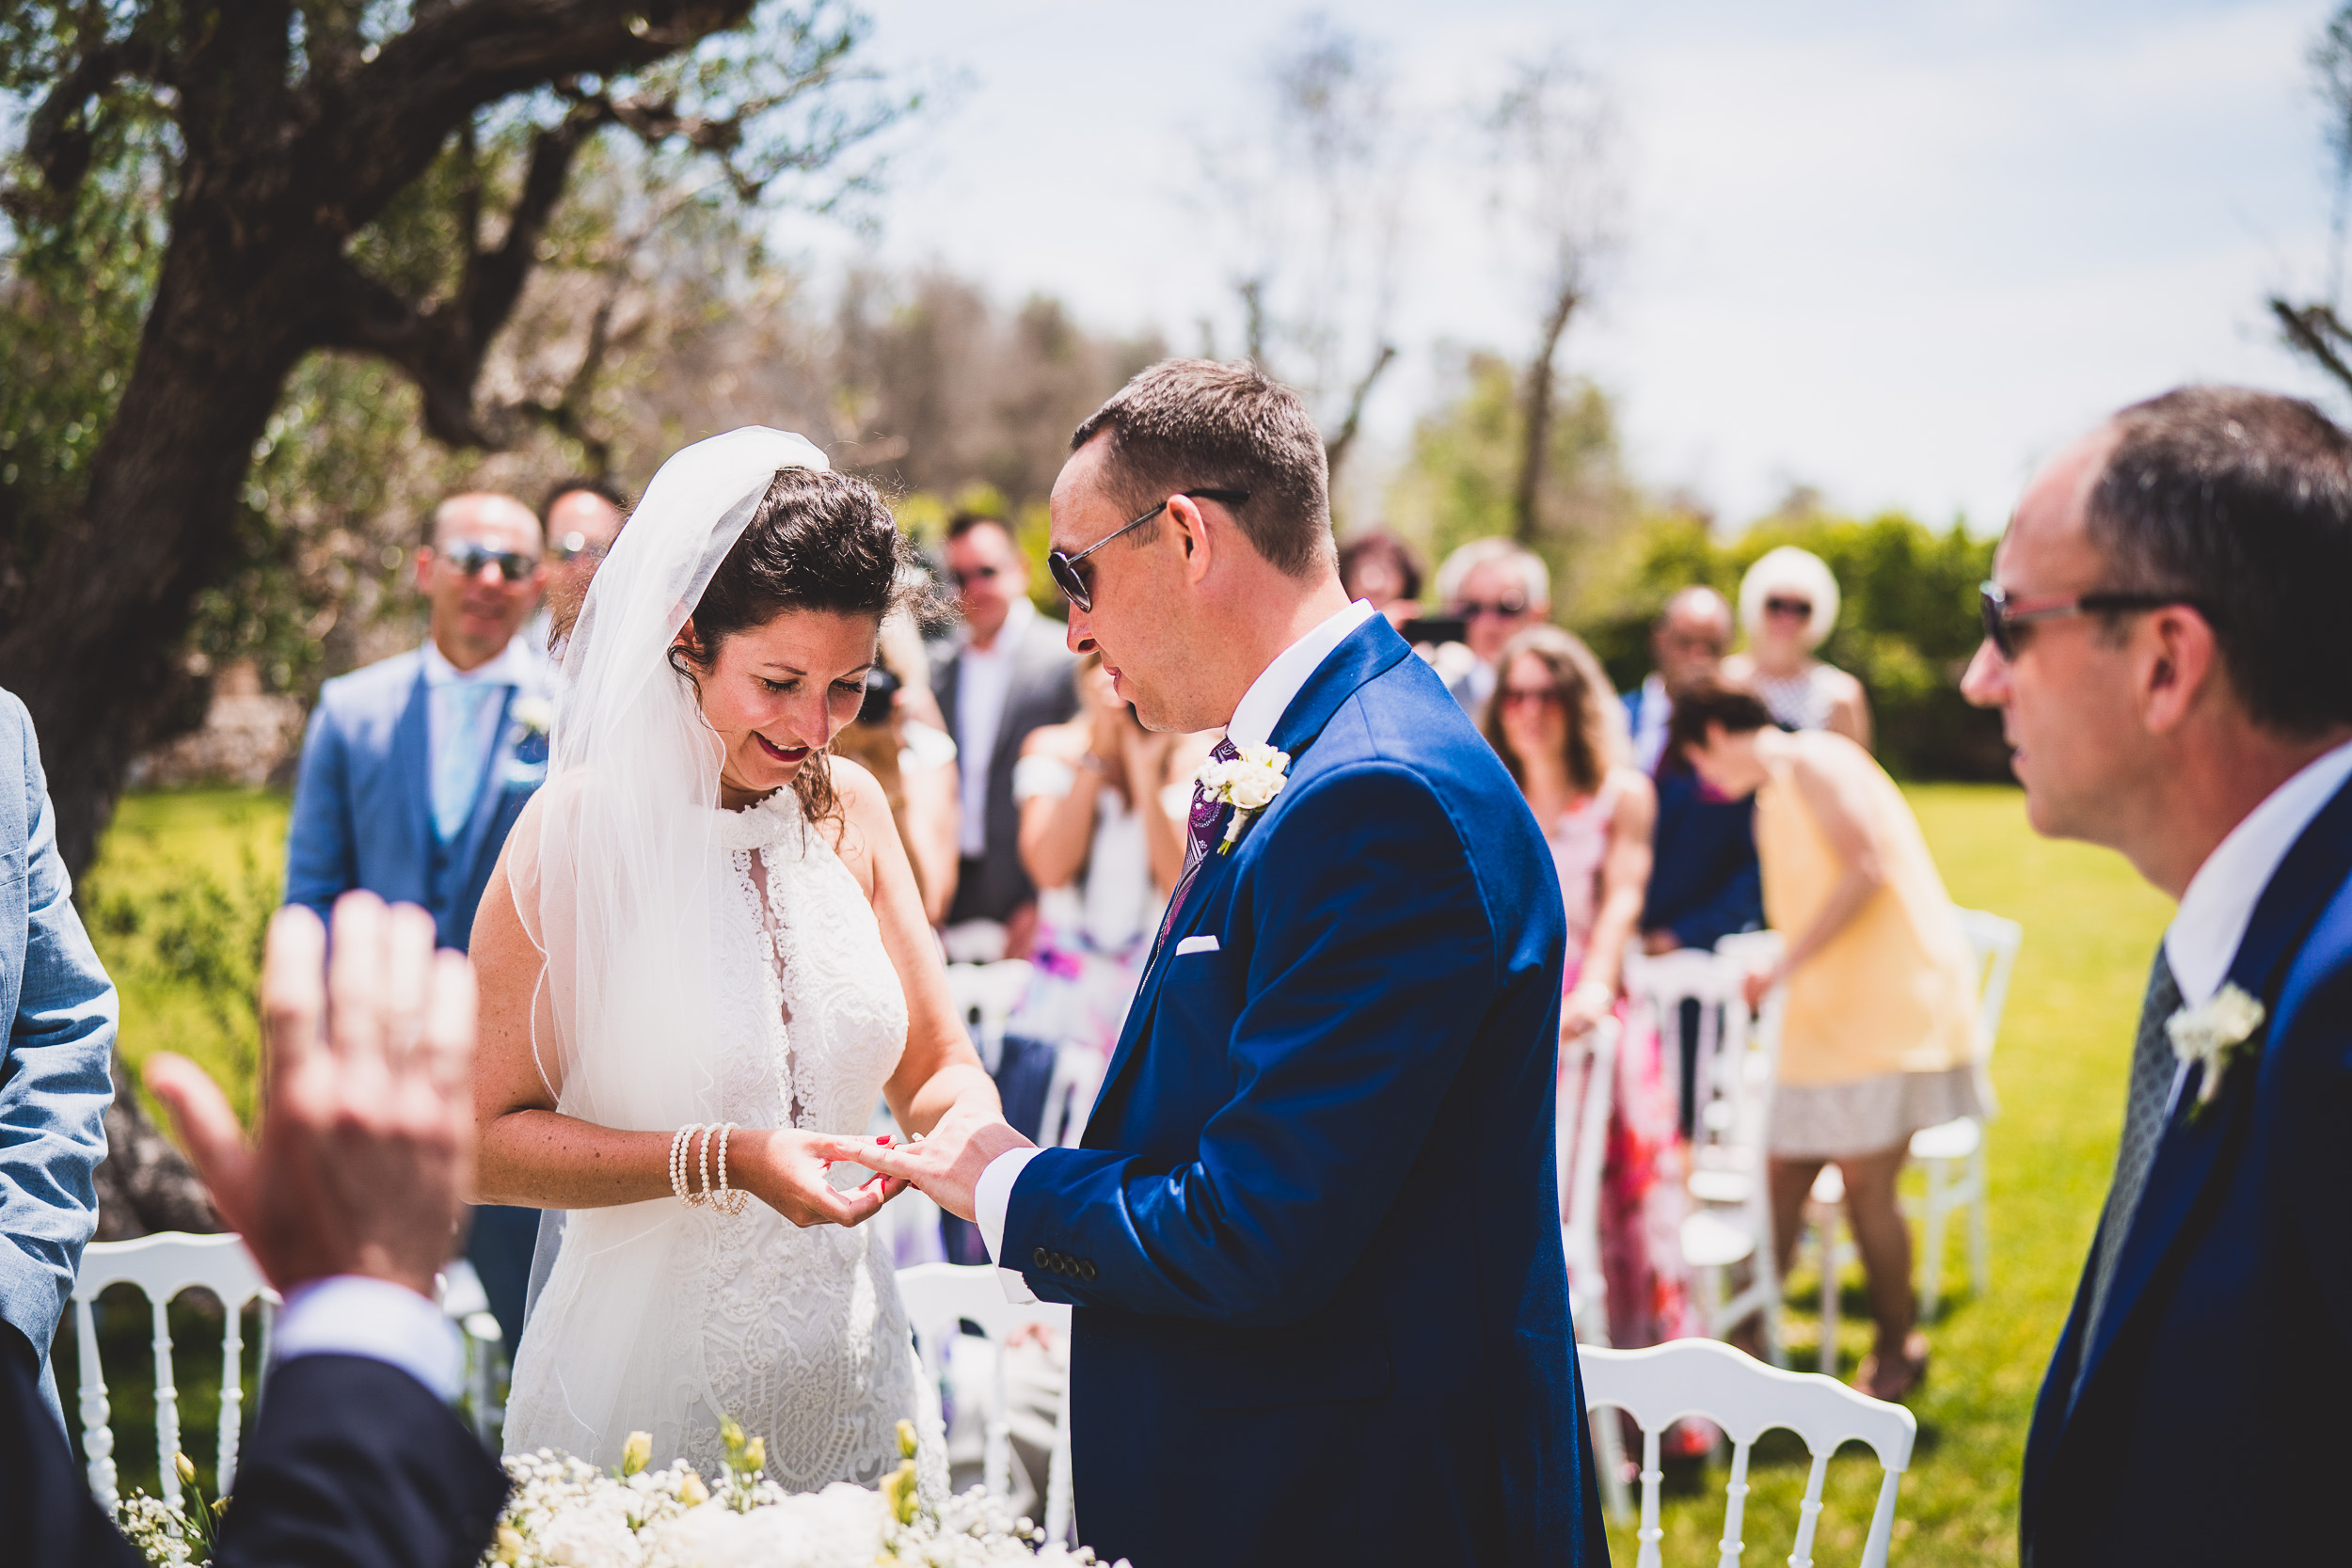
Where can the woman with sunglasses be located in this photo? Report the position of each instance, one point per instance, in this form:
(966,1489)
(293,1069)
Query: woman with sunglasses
(1788,607)
(1558,727)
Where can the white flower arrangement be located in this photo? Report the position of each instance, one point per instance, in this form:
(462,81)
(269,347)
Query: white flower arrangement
(2214,1035)
(1248,783)
(534,715)
(564,1513)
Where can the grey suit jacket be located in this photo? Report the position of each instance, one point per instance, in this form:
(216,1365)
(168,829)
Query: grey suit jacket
(1043,691)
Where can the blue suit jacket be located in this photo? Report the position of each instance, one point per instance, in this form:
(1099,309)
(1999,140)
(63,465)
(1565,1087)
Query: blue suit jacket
(1704,881)
(2211,1422)
(1311,1238)
(54,1083)
(363,802)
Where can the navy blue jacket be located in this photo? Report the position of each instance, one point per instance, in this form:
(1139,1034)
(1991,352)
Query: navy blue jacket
(363,801)
(352,1464)
(1704,883)
(1313,1237)
(2211,1422)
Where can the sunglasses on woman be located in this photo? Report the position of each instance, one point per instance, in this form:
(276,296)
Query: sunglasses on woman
(2002,618)
(1064,566)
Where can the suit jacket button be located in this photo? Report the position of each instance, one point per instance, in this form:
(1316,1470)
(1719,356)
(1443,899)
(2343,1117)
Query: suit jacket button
(1062,1263)
(1042,1257)
(1086,1270)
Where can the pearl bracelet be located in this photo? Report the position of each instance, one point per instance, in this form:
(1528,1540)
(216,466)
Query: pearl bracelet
(678,1143)
(727,1200)
(690,1154)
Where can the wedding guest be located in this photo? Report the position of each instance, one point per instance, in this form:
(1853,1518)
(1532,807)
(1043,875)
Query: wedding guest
(1879,1037)
(1704,884)
(1005,675)
(346,1203)
(583,515)
(896,738)
(2163,639)
(54,1084)
(1788,607)
(1383,571)
(1103,805)
(416,767)
(1498,587)
(1553,723)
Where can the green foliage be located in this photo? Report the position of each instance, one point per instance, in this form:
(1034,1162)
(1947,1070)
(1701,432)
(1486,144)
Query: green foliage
(1906,627)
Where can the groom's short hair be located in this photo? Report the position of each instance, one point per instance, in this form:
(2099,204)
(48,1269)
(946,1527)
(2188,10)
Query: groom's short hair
(2241,503)
(1195,424)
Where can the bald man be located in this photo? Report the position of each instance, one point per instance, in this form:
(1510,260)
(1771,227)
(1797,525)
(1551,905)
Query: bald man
(415,768)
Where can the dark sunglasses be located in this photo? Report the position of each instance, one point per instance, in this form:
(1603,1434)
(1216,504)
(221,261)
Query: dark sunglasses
(2002,618)
(1064,566)
(978,574)
(1788,607)
(572,547)
(1470,610)
(470,558)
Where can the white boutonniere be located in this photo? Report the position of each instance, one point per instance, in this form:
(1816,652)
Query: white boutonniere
(532,715)
(1248,783)
(2215,1034)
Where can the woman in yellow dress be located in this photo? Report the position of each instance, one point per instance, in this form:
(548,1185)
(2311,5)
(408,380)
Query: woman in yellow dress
(1879,1038)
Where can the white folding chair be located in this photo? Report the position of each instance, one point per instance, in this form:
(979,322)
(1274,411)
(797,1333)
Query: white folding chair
(1732,1223)
(985,996)
(1951,1155)
(1070,1095)
(161,1266)
(466,1303)
(1664,1383)
(1588,1091)
(940,1298)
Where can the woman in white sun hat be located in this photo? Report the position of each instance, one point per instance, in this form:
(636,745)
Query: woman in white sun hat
(1788,605)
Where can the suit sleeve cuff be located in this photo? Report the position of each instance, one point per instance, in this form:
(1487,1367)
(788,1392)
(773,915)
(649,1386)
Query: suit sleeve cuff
(991,1199)
(356,1315)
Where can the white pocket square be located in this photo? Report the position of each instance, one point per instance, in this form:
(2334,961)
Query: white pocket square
(1196,944)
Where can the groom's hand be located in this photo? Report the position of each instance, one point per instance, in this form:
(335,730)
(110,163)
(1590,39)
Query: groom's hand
(946,1165)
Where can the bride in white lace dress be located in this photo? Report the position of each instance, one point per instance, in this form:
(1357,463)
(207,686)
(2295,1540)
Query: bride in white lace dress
(705,919)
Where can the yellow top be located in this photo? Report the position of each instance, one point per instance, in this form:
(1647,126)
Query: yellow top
(1896,989)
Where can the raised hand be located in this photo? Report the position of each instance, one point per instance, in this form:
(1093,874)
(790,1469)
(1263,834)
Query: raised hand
(367,1126)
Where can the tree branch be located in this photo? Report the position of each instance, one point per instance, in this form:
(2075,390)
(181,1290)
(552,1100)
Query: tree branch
(1335,449)
(1527,518)
(59,135)
(2309,329)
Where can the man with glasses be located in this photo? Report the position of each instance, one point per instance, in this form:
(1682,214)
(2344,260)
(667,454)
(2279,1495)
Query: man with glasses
(416,767)
(2163,642)
(1496,587)
(583,517)
(1003,675)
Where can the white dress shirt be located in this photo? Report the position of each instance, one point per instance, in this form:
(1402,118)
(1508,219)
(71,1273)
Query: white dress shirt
(1261,708)
(447,719)
(356,1315)
(1651,716)
(2203,938)
(983,685)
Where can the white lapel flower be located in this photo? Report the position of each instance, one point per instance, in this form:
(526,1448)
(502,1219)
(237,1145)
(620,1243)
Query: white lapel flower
(534,715)
(2215,1034)
(1248,783)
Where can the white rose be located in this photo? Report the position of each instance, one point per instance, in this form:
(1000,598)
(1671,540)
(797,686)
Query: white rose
(533,713)
(1253,788)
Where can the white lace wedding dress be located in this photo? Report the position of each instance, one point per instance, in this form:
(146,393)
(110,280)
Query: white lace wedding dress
(797,1334)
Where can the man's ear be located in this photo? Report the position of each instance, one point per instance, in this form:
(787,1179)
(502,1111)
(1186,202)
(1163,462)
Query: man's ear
(425,560)
(1193,536)
(2178,665)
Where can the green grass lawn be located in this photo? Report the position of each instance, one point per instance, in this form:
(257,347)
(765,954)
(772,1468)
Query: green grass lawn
(172,862)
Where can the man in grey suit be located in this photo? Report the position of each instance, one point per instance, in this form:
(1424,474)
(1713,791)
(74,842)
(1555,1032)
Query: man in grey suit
(1005,675)
(57,1013)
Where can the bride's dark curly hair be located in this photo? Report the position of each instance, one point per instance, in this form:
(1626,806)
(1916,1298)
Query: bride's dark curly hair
(818,541)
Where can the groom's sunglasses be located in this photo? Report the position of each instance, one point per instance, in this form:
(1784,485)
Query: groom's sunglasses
(1064,566)
(2002,618)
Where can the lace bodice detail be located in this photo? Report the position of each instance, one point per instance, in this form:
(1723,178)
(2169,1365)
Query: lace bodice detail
(798,1334)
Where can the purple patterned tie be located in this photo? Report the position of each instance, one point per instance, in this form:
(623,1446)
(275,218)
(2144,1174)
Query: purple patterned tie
(1202,824)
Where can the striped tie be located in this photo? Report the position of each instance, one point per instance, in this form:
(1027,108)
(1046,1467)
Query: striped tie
(1203,825)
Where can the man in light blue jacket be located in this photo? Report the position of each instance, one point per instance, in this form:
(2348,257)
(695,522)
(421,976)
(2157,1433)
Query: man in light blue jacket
(55,1085)
(416,767)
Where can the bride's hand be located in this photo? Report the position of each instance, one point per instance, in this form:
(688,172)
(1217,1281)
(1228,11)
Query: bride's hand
(785,1169)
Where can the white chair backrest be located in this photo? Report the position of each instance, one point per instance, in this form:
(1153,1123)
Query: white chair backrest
(163,1265)
(1994,939)
(939,1298)
(985,996)
(1588,1079)
(1070,1095)
(1725,1080)
(1664,1383)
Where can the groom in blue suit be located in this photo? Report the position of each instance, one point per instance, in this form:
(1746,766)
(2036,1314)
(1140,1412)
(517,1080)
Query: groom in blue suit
(1311,1238)
(416,767)
(2162,638)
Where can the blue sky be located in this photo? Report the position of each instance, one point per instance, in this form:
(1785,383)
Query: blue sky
(1898,253)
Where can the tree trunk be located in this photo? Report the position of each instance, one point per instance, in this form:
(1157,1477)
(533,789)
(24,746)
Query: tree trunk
(1527,521)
